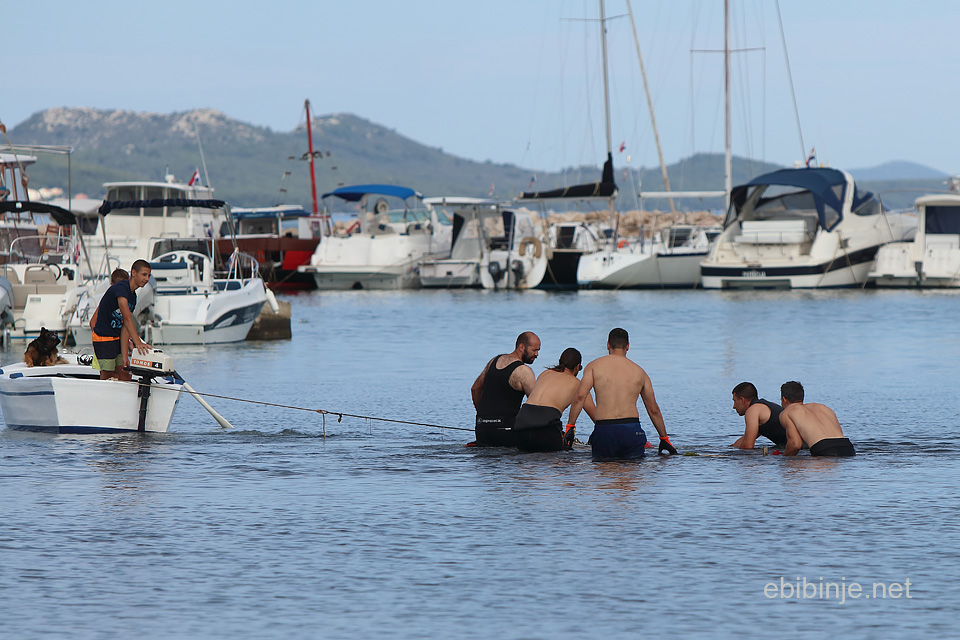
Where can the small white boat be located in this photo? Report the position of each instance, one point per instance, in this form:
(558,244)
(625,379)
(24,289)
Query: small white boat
(800,229)
(382,247)
(493,248)
(192,306)
(71,398)
(932,258)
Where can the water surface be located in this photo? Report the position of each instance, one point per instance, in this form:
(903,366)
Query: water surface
(272,530)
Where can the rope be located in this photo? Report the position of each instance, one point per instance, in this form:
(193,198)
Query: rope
(323,412)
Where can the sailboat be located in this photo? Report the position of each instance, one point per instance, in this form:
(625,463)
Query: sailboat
(570,243)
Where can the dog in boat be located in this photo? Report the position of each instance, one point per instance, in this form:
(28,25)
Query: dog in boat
(42,352)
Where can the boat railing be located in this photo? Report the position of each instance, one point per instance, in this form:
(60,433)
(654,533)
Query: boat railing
(43,249)
(240,267)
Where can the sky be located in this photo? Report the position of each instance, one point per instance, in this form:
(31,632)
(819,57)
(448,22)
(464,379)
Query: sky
(518,81)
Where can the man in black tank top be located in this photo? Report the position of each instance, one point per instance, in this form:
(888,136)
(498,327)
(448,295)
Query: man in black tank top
(761,417)
(499,390)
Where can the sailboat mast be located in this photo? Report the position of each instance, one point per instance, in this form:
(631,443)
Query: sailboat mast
(728,158)
(606,80)
(313,177)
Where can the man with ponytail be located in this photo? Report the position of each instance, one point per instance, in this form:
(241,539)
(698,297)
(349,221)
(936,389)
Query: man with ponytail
(538,426)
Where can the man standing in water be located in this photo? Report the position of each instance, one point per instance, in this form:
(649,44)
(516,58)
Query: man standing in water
(761,417)
(499,389)
(618,383)
(115,318)
(813,423)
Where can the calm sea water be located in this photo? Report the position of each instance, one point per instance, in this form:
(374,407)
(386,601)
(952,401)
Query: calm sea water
(271,530)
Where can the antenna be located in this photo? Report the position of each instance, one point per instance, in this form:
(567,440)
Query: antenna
(203,160)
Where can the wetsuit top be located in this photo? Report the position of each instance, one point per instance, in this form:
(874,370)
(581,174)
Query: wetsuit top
(497,397)
(772,429)
(109,318)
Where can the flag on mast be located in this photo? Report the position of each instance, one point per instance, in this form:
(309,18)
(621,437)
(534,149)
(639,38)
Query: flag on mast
(195,178)
(812,156)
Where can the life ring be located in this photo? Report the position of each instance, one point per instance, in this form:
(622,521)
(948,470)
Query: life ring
(622,243)
(381,206)
(537,248)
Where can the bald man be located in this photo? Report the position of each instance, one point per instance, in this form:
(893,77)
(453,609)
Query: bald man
(499,390)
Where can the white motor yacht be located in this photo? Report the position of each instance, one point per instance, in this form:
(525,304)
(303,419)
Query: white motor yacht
(383,246)
(170,209)
(932,257)
(800,229)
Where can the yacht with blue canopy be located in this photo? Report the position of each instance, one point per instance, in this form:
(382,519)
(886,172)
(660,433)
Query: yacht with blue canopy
(802,228)
(389,231)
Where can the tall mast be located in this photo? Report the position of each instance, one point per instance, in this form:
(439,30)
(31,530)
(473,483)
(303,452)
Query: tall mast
(653,119)
(313,177)
(606,81)
(728,158)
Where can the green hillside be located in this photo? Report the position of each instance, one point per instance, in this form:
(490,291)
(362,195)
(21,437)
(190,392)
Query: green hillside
(256,166)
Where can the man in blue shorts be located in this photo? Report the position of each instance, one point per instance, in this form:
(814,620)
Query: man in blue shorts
(114,315)
(618,383)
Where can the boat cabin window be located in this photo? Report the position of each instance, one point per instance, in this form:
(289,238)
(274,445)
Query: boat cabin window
(942,219)
(124,194)
(153,193)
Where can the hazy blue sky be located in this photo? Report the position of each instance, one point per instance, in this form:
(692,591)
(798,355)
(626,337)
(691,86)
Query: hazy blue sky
(516,80)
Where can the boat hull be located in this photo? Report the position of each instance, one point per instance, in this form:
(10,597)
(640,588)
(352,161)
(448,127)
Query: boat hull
(67,405)
(846,271)
(449,274)
(344,279)
(230,321)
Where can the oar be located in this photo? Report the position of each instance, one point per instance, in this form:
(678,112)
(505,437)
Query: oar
(216,416)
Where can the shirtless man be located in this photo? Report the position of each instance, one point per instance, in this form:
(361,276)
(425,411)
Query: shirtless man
(761,417)
(499,389)
(813,423)
(538,426)
(618,383)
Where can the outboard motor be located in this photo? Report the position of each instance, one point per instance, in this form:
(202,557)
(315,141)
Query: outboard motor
(495,270)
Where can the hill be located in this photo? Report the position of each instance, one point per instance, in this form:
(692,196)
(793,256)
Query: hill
(256,166)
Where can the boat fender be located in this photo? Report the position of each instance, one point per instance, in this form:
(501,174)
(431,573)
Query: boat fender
(537,247)
(272,301)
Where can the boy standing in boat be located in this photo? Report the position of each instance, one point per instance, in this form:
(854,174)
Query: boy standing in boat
(618,383)
(115,316)
(499,389)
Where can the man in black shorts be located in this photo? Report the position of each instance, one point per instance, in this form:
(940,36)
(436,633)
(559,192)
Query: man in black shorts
(813,423)
(115,317)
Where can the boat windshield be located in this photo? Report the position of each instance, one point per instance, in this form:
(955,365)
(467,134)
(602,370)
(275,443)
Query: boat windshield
(780,202)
